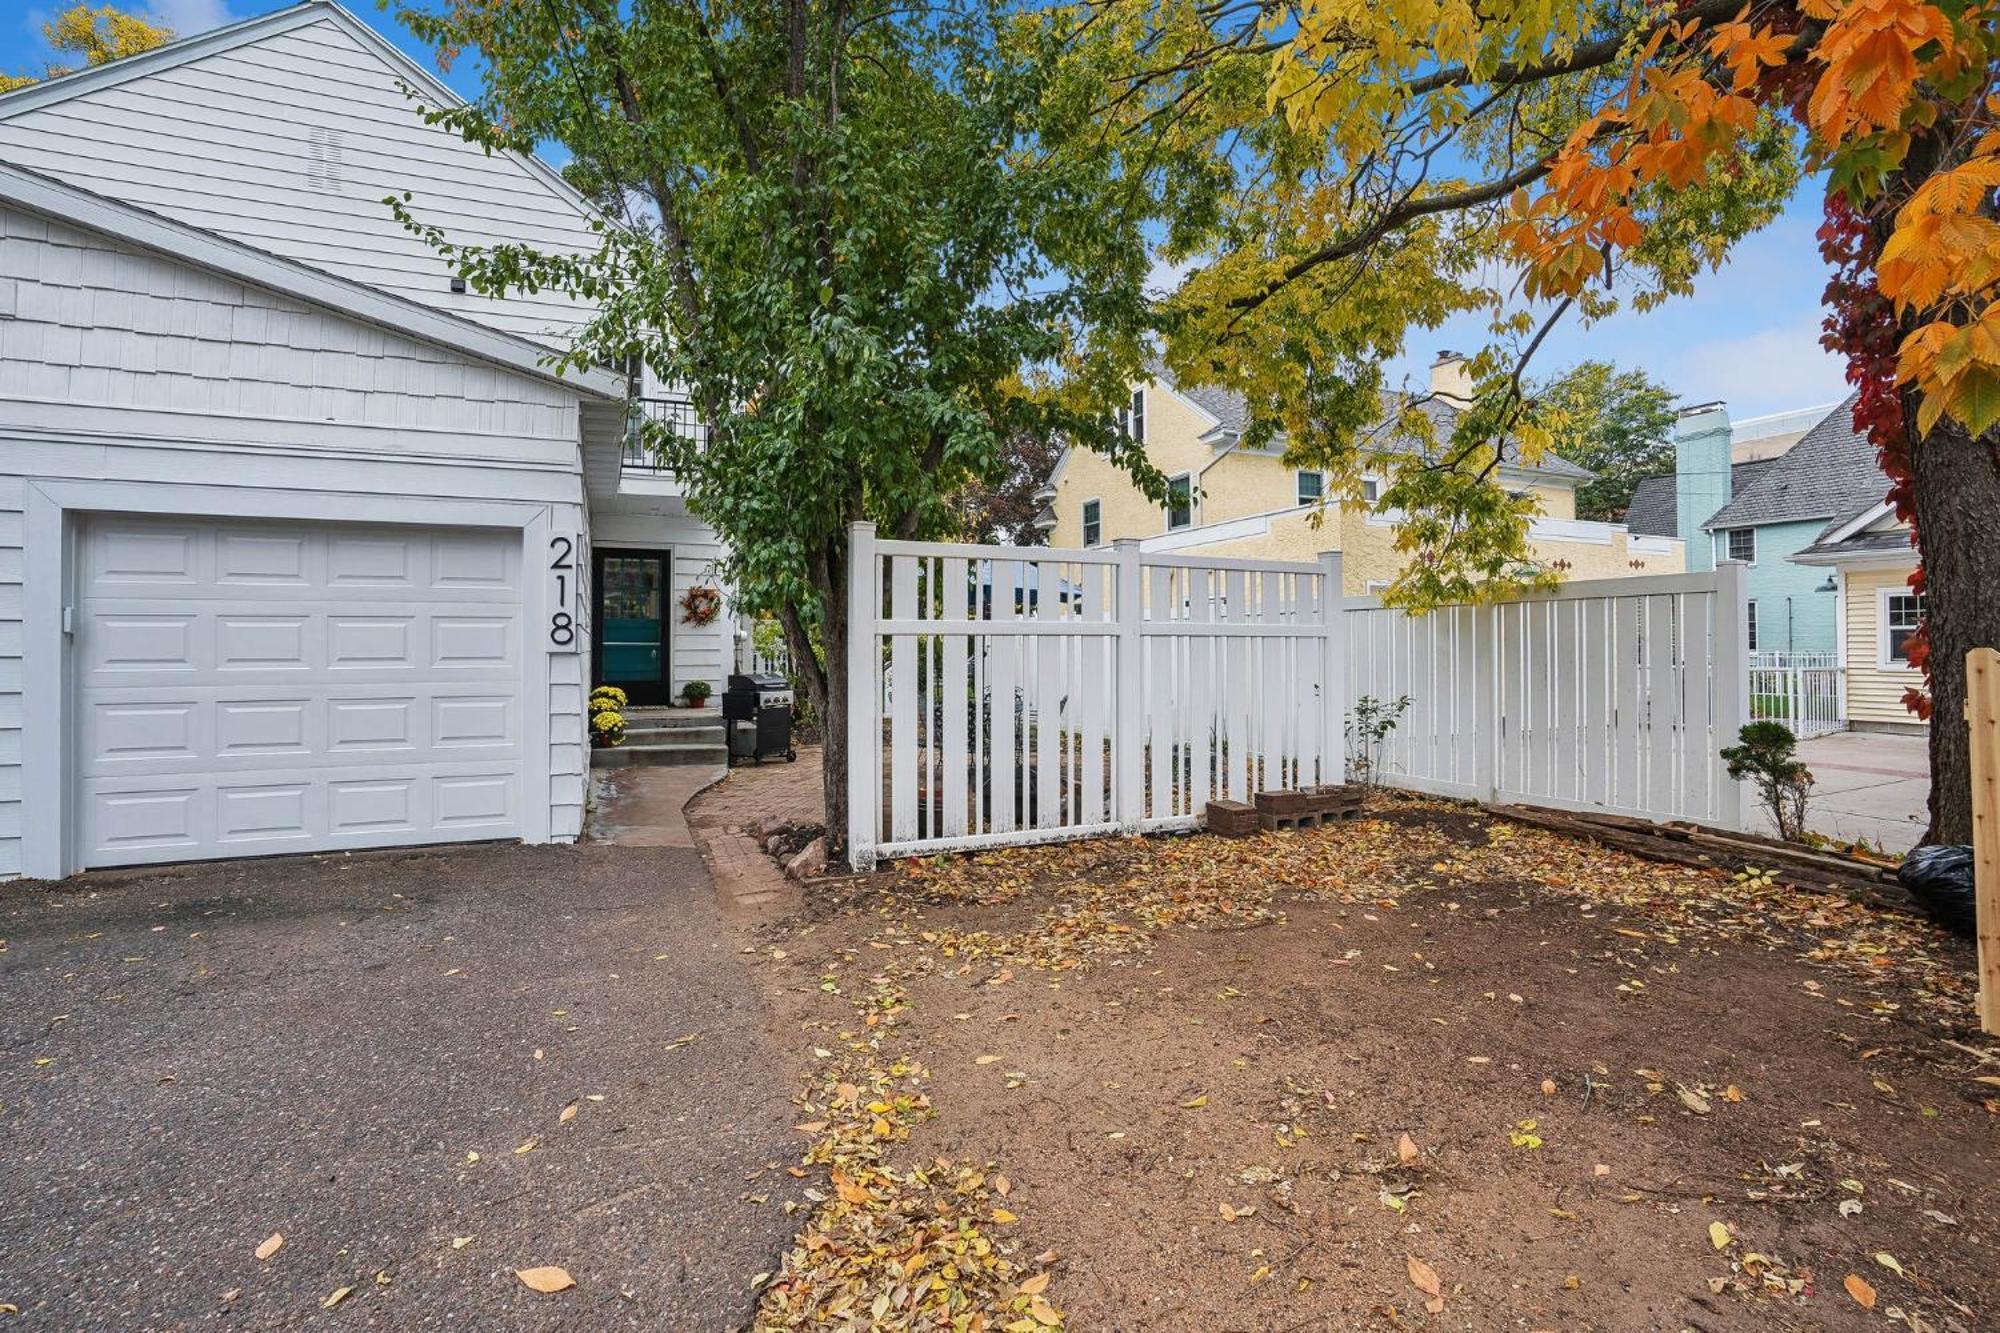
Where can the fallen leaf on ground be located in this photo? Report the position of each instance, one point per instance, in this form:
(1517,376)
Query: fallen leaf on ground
(568,1114)
(271,1246)
(1718,1235)
(339,1294)
(545,1280)
(1888,1261)
(1035,1285)
(460,1242)
(1425,1279)
(1406,1149)
(1857,1287)
(1195,1103)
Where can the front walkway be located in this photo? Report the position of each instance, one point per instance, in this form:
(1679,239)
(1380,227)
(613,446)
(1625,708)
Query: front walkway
(1868,786)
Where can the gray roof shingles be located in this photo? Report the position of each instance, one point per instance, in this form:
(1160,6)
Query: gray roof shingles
(1229,409)
(1652,512)
(1831,473)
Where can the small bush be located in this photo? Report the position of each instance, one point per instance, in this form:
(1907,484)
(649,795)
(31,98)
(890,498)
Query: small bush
(1767,756)
(1369,727)
(696,692)
(607,698)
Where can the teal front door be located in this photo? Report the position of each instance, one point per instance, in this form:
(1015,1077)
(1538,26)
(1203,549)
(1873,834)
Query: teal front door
(630,638)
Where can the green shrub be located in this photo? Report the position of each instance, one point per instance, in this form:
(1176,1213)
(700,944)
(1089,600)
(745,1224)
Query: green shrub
(1767,756)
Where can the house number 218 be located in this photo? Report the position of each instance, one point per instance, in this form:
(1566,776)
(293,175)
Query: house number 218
(562,577)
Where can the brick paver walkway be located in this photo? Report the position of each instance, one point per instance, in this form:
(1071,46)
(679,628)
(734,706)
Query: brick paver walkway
(751,884)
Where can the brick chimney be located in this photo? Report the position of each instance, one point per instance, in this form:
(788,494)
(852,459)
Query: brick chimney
(1450,377)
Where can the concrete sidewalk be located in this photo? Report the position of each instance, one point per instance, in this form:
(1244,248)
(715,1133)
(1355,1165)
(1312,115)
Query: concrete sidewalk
(1868,786)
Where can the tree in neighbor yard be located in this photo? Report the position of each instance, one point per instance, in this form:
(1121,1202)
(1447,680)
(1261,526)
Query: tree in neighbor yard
(1397,163)
(1001,506)
(99,35)
(1618,423)
(834,226)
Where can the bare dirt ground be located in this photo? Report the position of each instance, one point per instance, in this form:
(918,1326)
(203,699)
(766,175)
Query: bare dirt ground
(1418,1070)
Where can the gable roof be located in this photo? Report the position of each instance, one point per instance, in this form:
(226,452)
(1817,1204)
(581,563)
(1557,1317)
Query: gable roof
(240,33)
(258,268)
(1232,414)
(1832,473)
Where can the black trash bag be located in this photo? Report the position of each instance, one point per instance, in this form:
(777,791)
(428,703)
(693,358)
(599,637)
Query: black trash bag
(1940,877)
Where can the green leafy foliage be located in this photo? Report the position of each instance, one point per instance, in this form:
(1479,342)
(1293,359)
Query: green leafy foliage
(1617,423)
(843,232)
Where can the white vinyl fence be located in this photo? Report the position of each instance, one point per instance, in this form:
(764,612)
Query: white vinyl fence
(1006,695)
(1003,695)
(1612,695)
(1805,691)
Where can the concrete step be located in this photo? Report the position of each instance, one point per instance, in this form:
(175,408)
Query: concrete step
(647,731)
(645,751)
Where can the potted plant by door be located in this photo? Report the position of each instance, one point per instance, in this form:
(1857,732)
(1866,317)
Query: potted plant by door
(607,722)
(696,693)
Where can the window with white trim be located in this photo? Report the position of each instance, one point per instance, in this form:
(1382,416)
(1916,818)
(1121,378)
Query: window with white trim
(1311,486)
(1132,417)
(1093,522)
(1902,613)
(1371,489)
(1742,545)
(1180,501)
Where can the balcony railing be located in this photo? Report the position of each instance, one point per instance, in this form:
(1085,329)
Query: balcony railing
(676,413)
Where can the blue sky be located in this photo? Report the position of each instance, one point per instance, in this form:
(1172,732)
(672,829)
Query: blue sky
(1748,336)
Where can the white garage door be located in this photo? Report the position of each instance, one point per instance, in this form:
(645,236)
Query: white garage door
(247,688)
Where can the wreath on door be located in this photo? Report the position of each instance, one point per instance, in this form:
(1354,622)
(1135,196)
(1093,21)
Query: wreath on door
(700,605)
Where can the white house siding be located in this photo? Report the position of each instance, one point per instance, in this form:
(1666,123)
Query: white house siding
(120,366)
(698,652)
(289,143)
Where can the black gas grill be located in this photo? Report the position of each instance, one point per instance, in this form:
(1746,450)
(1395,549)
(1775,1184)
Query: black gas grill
(758,713)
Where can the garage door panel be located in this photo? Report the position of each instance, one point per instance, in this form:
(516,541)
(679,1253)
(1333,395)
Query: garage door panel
(124,555)
(248,687)
(134,820)
(262,559)
(223,731)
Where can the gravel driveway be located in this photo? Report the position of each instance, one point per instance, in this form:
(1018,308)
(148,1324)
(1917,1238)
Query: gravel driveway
(194,1060)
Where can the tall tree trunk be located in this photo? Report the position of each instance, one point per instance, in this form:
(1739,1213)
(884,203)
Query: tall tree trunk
(825,677)
(833,722)
(1957,495)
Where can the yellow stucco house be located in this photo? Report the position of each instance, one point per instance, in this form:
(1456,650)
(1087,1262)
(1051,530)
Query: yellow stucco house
(1234,500)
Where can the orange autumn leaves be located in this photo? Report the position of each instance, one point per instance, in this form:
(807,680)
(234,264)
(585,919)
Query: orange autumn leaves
(1880,71)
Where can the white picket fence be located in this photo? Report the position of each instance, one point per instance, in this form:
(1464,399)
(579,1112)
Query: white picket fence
(1003,695)
(1009,695)
(1805,691)
(1613,695)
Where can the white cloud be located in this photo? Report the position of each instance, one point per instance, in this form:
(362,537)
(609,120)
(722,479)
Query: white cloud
(1766,370)
(188,17)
